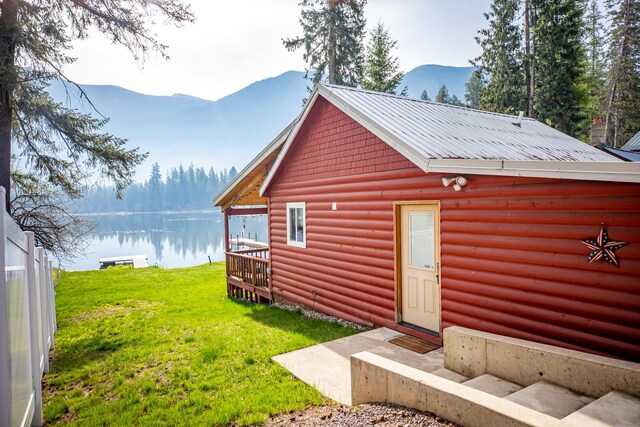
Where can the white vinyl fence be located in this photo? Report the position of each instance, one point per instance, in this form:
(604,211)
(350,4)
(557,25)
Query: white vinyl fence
(27,323)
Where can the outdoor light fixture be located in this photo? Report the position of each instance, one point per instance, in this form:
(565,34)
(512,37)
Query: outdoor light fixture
(458,182)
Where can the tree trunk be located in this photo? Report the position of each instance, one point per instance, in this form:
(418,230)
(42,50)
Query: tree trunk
(529,46)
(332,53)
(528,61)
(613,81)
(8,35)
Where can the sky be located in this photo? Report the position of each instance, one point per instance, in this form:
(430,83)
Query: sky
(235,43)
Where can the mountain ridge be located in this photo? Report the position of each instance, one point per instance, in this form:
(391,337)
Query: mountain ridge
(184,129)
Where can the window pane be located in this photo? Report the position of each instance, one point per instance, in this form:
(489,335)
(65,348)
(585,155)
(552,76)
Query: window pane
(292,224)
(299,225)
(421,241)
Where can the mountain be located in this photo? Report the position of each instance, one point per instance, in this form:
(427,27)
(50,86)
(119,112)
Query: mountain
(227,132)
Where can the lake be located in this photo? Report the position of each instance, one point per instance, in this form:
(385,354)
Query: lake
(171,239)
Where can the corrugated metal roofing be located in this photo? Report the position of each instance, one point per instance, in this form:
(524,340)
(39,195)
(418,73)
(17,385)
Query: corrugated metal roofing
(633,144)
(629,156)
(441,131)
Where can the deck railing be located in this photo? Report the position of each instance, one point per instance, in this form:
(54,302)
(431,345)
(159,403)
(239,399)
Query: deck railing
(250,266)
(247,274)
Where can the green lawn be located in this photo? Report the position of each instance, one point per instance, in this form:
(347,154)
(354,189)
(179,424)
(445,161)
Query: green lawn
(167,347)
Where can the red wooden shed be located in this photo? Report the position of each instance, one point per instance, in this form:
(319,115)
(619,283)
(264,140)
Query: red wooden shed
(416,215)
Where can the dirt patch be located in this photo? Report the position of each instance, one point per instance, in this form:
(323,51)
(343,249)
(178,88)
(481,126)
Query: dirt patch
(111,310)
(369,414)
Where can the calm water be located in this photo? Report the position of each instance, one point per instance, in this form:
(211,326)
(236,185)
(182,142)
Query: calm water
(178,239)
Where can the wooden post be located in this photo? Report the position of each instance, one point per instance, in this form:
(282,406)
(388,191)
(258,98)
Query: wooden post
(253,272)
(226,230)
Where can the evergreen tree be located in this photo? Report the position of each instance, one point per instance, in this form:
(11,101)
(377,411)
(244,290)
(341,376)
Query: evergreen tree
(454,100)
(593,81)
(36,37)
(501,59)
(155,188)
(622,105)
(594,40)
(381,69)
(332,35)
(443,95)
(472,91)
(60,147)
(425,96)
(559,63)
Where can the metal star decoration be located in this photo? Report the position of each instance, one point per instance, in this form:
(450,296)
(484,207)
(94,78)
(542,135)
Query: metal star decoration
(603,248)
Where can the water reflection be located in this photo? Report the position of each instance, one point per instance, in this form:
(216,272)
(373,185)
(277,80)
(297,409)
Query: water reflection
(168,239)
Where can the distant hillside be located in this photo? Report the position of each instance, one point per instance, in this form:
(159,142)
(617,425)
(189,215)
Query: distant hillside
(432,77)
(227,132)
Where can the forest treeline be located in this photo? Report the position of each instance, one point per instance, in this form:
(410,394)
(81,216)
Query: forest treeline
(563,62)
(180,189)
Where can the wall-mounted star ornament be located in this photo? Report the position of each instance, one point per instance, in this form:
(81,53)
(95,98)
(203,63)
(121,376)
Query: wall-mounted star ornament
(604,248)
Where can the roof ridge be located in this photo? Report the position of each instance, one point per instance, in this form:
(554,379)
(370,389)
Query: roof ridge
(407,98)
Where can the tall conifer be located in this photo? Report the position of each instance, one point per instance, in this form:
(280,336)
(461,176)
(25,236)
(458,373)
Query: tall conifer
(559,63)
(332,40)
(501,58)
(381,69)
(622,104)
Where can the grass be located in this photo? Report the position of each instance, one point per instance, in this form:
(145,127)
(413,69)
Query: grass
(167,347)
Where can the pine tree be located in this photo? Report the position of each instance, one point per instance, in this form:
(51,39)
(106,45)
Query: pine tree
(472,91)
(622,105)
(443,96)
(60,147)
(559,63)
(155,187)
(35,38)
(593,81)
(332,38)
(501,59)
(425,96)
(381,69)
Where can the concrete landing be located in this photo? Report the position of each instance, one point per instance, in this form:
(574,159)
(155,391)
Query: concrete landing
(327,366)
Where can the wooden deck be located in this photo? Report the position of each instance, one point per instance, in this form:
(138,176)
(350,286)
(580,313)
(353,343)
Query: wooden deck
(247,276)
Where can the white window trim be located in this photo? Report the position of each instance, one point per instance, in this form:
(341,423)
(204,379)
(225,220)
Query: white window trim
(297,205)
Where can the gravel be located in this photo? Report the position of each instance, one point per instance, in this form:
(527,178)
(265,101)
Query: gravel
(306,312)
(369,414)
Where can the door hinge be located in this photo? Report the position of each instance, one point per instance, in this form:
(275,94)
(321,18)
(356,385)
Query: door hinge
(438,273)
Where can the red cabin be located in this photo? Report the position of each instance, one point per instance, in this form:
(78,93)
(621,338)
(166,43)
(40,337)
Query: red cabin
(414,215)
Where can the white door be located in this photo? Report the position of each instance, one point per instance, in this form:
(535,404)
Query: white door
(420,287)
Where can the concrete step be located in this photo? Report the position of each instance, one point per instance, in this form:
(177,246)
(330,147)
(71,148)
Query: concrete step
(614,409)
(549,399)
(450,375)
(493,385)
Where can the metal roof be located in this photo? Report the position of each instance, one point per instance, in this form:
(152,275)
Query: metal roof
(441,131)
(629,156)
(633,144)
(443,138)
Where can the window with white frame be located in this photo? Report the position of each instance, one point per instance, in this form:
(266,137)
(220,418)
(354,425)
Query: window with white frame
(296,226)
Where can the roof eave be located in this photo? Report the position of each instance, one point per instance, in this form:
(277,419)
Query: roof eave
(589,171)
(273,145)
